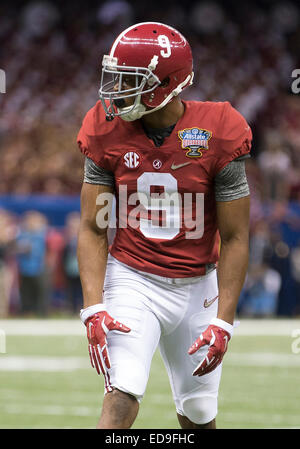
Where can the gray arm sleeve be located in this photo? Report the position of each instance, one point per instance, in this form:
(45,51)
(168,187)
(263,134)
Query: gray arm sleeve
(231,182)
(97,175)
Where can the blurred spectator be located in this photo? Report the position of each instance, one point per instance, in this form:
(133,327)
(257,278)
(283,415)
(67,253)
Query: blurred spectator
(115,11)
(39,17)
(70,264)
(55,268)
(31,252)
(207,17)
(295,270)
(275,165)
(281,262)
(260,243)
(7,238)
(260,294)
(51,52)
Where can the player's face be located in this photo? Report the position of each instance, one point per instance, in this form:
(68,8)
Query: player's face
(125,83)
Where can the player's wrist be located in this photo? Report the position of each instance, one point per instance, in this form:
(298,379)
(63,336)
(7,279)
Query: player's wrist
(223,325)
(89,311)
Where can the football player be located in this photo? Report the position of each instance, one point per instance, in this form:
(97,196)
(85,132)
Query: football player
(173,274)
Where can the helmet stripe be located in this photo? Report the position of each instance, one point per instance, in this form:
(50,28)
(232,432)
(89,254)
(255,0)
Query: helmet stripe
(112,51)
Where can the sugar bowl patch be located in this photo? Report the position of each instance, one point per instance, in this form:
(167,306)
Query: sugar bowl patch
(194,140)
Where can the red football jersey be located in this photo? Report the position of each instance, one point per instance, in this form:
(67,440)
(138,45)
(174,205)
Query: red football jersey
(166,208)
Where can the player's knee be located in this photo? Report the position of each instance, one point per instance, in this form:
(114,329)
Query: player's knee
(119,410)
(201,409)
(131,379)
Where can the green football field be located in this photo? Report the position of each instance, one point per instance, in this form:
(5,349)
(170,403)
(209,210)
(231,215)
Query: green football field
(46,380)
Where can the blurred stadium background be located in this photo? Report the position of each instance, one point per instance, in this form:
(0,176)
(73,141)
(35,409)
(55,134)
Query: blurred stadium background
(244,52)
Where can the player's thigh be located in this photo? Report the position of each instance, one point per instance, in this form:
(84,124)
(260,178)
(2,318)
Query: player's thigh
(130,354)
(195,397)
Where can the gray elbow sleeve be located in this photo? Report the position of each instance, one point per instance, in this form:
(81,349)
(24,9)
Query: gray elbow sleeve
(231,183)
(93,174)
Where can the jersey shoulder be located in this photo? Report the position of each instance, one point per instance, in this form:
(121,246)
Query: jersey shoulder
(223,119)
(96,133)
(235,134)
(230,132)
(95,123)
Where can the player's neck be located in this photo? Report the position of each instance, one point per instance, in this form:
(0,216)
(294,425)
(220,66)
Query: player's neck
(166,116)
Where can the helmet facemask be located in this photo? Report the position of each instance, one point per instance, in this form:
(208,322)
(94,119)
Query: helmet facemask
(111,88)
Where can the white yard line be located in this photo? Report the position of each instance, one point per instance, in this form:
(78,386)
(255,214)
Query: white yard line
(57,327)
(61,364)
(47,327)
(262,359)
(278,327)
(57,410)
(38,363)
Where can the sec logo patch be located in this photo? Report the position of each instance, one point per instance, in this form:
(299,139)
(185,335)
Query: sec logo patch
(132,159)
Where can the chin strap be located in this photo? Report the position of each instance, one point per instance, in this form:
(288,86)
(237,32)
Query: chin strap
(139,110)
(134,113)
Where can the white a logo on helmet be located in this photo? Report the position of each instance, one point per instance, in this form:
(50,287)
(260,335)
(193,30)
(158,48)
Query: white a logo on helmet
(153,63)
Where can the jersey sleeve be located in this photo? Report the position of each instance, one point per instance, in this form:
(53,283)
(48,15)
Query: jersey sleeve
(86,130)
(89,138)
(235,137)
(93,174)
(231,182)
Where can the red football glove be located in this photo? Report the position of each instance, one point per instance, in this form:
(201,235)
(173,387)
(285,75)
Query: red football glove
(97,326)
(217,339)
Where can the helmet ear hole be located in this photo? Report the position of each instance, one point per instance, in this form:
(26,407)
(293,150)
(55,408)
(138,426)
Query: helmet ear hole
(165,82)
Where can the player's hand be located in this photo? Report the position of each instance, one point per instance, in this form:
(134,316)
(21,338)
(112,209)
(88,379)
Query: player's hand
(216,338)
(98,325)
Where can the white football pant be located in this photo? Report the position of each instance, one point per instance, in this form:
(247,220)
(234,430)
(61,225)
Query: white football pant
(171,315)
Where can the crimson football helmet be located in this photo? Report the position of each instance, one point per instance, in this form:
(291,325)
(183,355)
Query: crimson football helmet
(149,62)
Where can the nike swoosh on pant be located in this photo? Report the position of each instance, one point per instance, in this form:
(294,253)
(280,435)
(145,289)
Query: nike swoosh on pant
(208,303)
